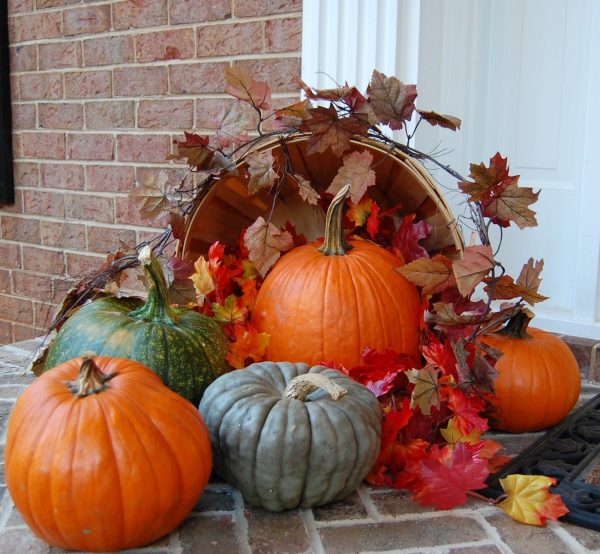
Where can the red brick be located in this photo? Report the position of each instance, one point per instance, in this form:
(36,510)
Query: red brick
(174,175)
(140,81)
(23,58)
(229,39)
(61,115)
(63,235)
(116,49)
(110,114)
(86,20)
(60,54)
(20,229)
(142,148)
(26,332)
(43,145)
(110,178)
(166,114)
(40,202)
(128,212)
(281,73)
(17,309)
(26,174)
(197,11)
(249,8)
(17,145)
(17,206)
(108,239)
(61,176)
(40,86)
(42,260)
(37,26)
(15,93)
(211,111)
(88,207)
(79,265)
(164,45)
(23,116)
(283,35)
(135,14)
(43,313)
(90,146)
(197,78)
(30,285)
(54,3)
(88,84)
(6,335)
(15,6)
(6,281)
(10,255)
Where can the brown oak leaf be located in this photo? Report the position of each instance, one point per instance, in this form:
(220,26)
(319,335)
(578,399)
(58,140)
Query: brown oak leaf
(241,85)
(195,150)
(392,101)
(355,171)
(476,263)
(265,243)
(307,193)
(526,286)
(432,274)
(262,172)
(446,121)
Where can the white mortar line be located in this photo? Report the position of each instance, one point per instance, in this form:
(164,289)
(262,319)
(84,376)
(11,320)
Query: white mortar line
(241,523)
(312,531)
(570,541)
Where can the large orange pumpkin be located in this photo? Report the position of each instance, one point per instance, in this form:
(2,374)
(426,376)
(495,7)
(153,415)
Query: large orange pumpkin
(101,463)
(327,302)
(538,377)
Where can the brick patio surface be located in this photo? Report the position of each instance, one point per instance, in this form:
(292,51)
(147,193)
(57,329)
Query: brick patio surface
(370,520)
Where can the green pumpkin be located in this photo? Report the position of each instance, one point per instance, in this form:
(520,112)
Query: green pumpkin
(183,347)
(284,446)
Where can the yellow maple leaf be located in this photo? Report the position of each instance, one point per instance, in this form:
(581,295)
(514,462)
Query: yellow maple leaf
(202,279)
(231,311)
(249,346)
(359,213)
(529,499)
(453,435)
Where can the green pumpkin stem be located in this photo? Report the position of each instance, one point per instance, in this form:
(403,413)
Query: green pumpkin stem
(91,379)
(156,308)
(302,385)
(517,325)
(335,242)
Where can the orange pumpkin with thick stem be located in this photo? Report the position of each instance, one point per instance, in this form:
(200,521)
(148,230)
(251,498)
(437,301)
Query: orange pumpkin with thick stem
(538,377)
(101,456)
(327,302)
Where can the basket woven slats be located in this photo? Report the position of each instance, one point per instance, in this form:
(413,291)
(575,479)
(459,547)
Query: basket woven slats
(227,208)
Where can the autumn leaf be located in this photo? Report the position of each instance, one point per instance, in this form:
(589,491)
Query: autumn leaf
(392,101)
(265,243)
(526,287)
(195,150)
(486,178)
(234,123)
(331,94)
(476,263)
(359,213)
(452,434)
(466,409)
(202,279)
(242,86)
(406,238)
(152,196)
(373,221)
(426,392)
(261,170)
(292,116)
(307,193)
(249,346)
(446,480)
(329,131)
(530,500)
(432,274)
(231,311)
(447,121)
(355,171)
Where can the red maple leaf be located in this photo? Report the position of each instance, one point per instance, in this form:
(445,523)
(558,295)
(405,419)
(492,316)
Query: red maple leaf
(466,410)
(448,474)
(407,237)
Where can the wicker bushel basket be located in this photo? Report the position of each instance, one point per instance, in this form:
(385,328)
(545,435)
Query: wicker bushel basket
(227,208)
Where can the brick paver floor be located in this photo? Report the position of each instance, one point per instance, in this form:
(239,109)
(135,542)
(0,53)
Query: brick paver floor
(370,520)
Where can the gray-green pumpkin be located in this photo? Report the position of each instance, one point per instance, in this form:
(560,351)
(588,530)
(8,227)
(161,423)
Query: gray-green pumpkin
(185,348)
(285,443)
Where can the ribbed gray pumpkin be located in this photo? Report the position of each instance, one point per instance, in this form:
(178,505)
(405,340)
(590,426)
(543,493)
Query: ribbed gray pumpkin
(284,443)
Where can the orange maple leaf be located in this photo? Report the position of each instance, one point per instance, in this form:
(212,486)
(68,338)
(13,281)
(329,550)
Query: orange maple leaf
(249,346)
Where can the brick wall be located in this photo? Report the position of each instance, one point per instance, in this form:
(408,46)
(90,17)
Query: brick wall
(100,90)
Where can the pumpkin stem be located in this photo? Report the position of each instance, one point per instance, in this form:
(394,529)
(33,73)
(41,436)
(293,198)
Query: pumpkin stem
(302,385)
(335,242)
(91,379)
(156,308)
(517,325)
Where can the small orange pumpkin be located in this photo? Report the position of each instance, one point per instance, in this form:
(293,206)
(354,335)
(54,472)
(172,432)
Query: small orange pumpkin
(327,302)
(101,456)
(539,380)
